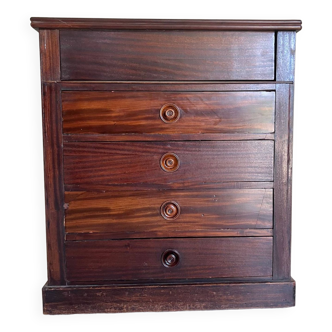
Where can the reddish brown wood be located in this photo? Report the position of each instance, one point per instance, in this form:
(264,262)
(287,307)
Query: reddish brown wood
(101,112)
(282,199)
(164,137)
(143,24)
(138,162)
(149,186)
(53,158)
(107,299)
(171,86)
(170,210)
(139,214)
(170,258)
(170,113)
(166,55)
(169,162)
(216,99)
(94,261)
(53,173)
(49,55)
(226,232)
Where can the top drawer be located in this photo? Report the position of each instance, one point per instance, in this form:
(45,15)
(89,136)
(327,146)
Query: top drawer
(166,55)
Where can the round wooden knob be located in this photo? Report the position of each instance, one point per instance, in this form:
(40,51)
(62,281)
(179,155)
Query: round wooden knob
(170,113)
(170,210)
(170,258)
(170,162)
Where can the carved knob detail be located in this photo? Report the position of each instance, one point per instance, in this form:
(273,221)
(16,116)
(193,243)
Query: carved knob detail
(170,210)
(170,258)
(170,113)
(169,162)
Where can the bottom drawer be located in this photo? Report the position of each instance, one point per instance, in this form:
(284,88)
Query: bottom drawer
(162,259)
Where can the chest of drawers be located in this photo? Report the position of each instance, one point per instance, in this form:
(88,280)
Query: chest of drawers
(168,163)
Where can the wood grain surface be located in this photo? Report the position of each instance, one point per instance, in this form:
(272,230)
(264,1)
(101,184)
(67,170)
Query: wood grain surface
(165,137)
(168,86)
(49,55)
(138,213)
(168,163)
(148,186)
(139,162)
(93,261)
(102,112)
(53,177)
(166,24)
(208,296)
(282,193)
(166,55)
(285,56)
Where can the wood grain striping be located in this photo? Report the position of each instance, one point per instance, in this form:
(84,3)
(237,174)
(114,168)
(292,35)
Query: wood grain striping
(166,55)
(207,296)
(282,198)
(285,58)
(139,162)
(117,112)
(137,213)
(93,261)
(166,24)
(187,186)
(168,86)
(49,55)
(53,178)
(222,232)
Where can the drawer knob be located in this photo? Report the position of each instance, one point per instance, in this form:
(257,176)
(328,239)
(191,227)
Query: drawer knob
(170,210)
(170,258)
(170,113)
(170,162)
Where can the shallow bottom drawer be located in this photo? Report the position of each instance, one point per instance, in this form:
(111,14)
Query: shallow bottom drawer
(160,259)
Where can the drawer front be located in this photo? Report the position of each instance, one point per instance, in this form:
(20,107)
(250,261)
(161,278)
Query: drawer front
(144,214)
(172,164)
(166,55)
(103,112)
(160,259)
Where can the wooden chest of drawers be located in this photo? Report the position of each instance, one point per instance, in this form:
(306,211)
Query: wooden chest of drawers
(168,163)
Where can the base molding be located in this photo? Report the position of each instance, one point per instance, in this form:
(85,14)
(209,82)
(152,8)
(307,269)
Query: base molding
(134,298)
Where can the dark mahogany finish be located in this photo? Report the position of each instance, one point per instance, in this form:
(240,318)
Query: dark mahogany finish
(168,163)
(144,214)
(53,166)
(170,210)
(166,55)
(101,112)
(170,258)
(125,24)
(170,113)
(189,163)
(171,297)
(97,261)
